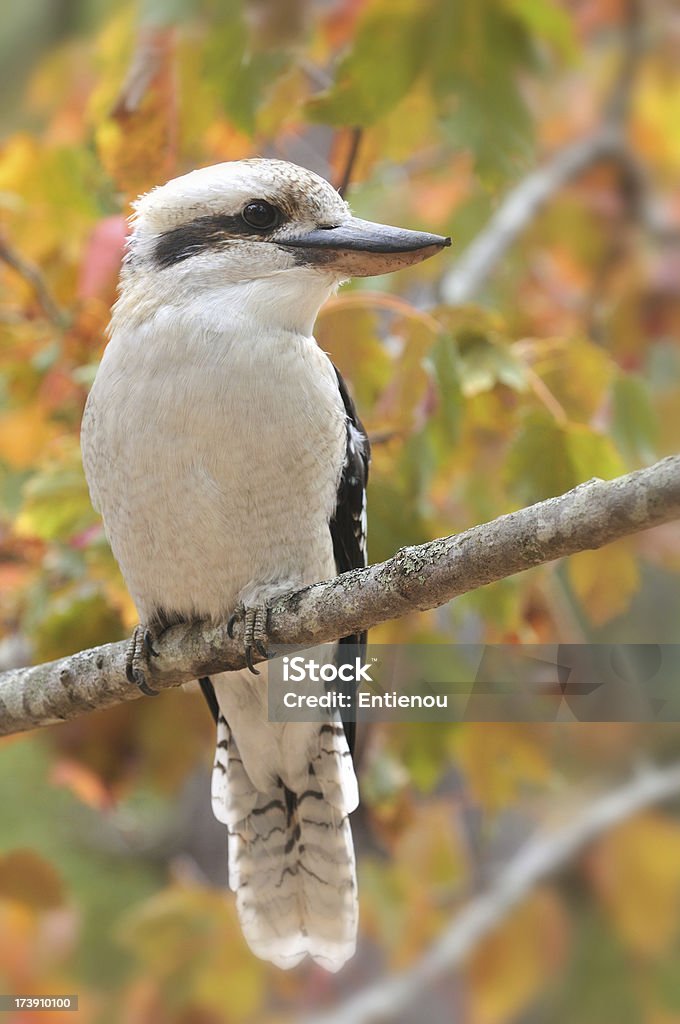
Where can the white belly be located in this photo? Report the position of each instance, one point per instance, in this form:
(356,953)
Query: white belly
(215,466)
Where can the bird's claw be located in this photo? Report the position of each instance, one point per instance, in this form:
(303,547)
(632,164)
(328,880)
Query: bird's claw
(140,649)
(255,631)
(148,644)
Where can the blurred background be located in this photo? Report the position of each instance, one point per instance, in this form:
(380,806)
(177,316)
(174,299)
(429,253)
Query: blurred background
(541,350)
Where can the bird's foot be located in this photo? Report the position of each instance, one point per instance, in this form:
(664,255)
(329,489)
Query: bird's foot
(255,620)
(140,649)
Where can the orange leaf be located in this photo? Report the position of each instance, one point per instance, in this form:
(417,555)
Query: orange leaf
(25,877)
(87,786)
(138,143)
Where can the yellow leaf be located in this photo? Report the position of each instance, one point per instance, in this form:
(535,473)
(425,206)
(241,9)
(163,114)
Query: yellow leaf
(657,1016)
(24,433)
(403,903)
(225,142)
(576,372)
(49,192)
(509,967)
(348,331)
(18,927)
(657,107)
(188,937)
(56,503)
(390,378)
(499,757)
(635,871)
(605,580)
(18,159)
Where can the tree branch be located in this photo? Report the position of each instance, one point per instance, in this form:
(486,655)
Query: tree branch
(417,578)
(467,276)
(545,853)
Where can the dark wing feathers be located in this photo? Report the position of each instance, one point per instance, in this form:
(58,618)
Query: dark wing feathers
(348,525)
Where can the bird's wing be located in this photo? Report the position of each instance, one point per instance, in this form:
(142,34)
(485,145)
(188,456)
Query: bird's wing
(348,525)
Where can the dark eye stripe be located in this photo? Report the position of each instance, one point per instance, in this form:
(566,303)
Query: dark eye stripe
(199,235)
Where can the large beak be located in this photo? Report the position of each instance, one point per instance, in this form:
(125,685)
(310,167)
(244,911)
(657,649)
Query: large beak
(360,248)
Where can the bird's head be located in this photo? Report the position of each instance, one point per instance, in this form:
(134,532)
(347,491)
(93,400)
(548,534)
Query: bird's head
(258,231)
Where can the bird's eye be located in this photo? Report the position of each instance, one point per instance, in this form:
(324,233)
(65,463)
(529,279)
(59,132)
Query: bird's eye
(260,214)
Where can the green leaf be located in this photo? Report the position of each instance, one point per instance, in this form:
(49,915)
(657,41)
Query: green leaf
(12,483)
(548,458)
(482,356)
(238,74)
(390,51)
(72,621)
(486,361)
(398,490)
(56,504)
(591,454)
(446,420)
(634,422)
(491,120)
(547,20)
(424,748)
(477,52)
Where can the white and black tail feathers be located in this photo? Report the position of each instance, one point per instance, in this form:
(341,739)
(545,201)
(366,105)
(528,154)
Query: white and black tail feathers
(291,857)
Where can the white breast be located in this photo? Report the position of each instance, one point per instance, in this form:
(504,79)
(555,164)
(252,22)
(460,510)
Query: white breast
(214,459)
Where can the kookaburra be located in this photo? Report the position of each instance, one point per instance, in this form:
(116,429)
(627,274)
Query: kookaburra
(225,455)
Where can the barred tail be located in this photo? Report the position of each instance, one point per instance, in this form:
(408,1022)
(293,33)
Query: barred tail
(291,857)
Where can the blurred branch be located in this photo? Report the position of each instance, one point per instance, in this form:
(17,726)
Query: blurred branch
(32,274)
(543,855)
(617,108)
(415,579)
(462,283)
(523,203)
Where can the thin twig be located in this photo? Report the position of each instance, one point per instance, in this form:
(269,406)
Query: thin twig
(415,579)
(355,141)
(382,300)
(32,274)
(544,854)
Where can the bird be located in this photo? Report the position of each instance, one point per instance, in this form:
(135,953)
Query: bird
(226,458)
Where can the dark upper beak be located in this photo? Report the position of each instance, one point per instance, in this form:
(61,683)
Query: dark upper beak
(360,248)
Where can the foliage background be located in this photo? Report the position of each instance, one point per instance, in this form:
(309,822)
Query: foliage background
(562,364)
